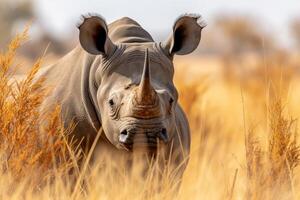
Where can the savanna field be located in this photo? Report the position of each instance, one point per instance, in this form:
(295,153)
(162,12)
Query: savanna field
(243,112)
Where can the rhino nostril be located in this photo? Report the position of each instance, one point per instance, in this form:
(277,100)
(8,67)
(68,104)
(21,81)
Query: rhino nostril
(123,137)
(124,132)
(163,135)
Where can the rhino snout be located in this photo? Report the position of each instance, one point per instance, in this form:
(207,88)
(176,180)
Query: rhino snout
(131,138)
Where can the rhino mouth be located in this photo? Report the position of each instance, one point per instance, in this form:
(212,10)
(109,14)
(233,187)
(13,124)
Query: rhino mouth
(132,138)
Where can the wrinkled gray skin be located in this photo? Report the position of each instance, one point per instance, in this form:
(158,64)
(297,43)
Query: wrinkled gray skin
(121,80)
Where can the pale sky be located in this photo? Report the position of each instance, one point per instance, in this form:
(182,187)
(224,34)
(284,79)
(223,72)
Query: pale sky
(60,16)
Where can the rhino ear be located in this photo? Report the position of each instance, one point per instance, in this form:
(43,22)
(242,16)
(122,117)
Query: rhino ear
(93,36)
(186,35)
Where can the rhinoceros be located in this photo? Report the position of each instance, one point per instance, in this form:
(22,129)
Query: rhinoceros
(120,81)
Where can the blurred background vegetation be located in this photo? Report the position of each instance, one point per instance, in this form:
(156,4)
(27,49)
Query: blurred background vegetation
(227,32)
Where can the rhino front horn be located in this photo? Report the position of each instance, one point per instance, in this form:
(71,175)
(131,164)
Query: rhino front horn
(146,95)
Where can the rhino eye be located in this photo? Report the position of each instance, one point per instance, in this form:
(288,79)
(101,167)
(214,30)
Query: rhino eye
(171,100)
(111,102)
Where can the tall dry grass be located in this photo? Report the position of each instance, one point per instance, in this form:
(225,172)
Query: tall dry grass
(32,144)
(270,172)
(244,140)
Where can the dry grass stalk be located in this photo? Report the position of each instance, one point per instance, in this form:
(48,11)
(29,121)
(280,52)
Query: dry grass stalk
(256,177)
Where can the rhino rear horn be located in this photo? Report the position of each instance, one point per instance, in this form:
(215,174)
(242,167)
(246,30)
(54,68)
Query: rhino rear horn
(185,36)
(93,36)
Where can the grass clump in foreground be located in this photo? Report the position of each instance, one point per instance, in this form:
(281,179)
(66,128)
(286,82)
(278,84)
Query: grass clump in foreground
(32,144)
(270,173)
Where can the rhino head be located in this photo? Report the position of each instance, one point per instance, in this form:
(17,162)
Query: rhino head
(135,95)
